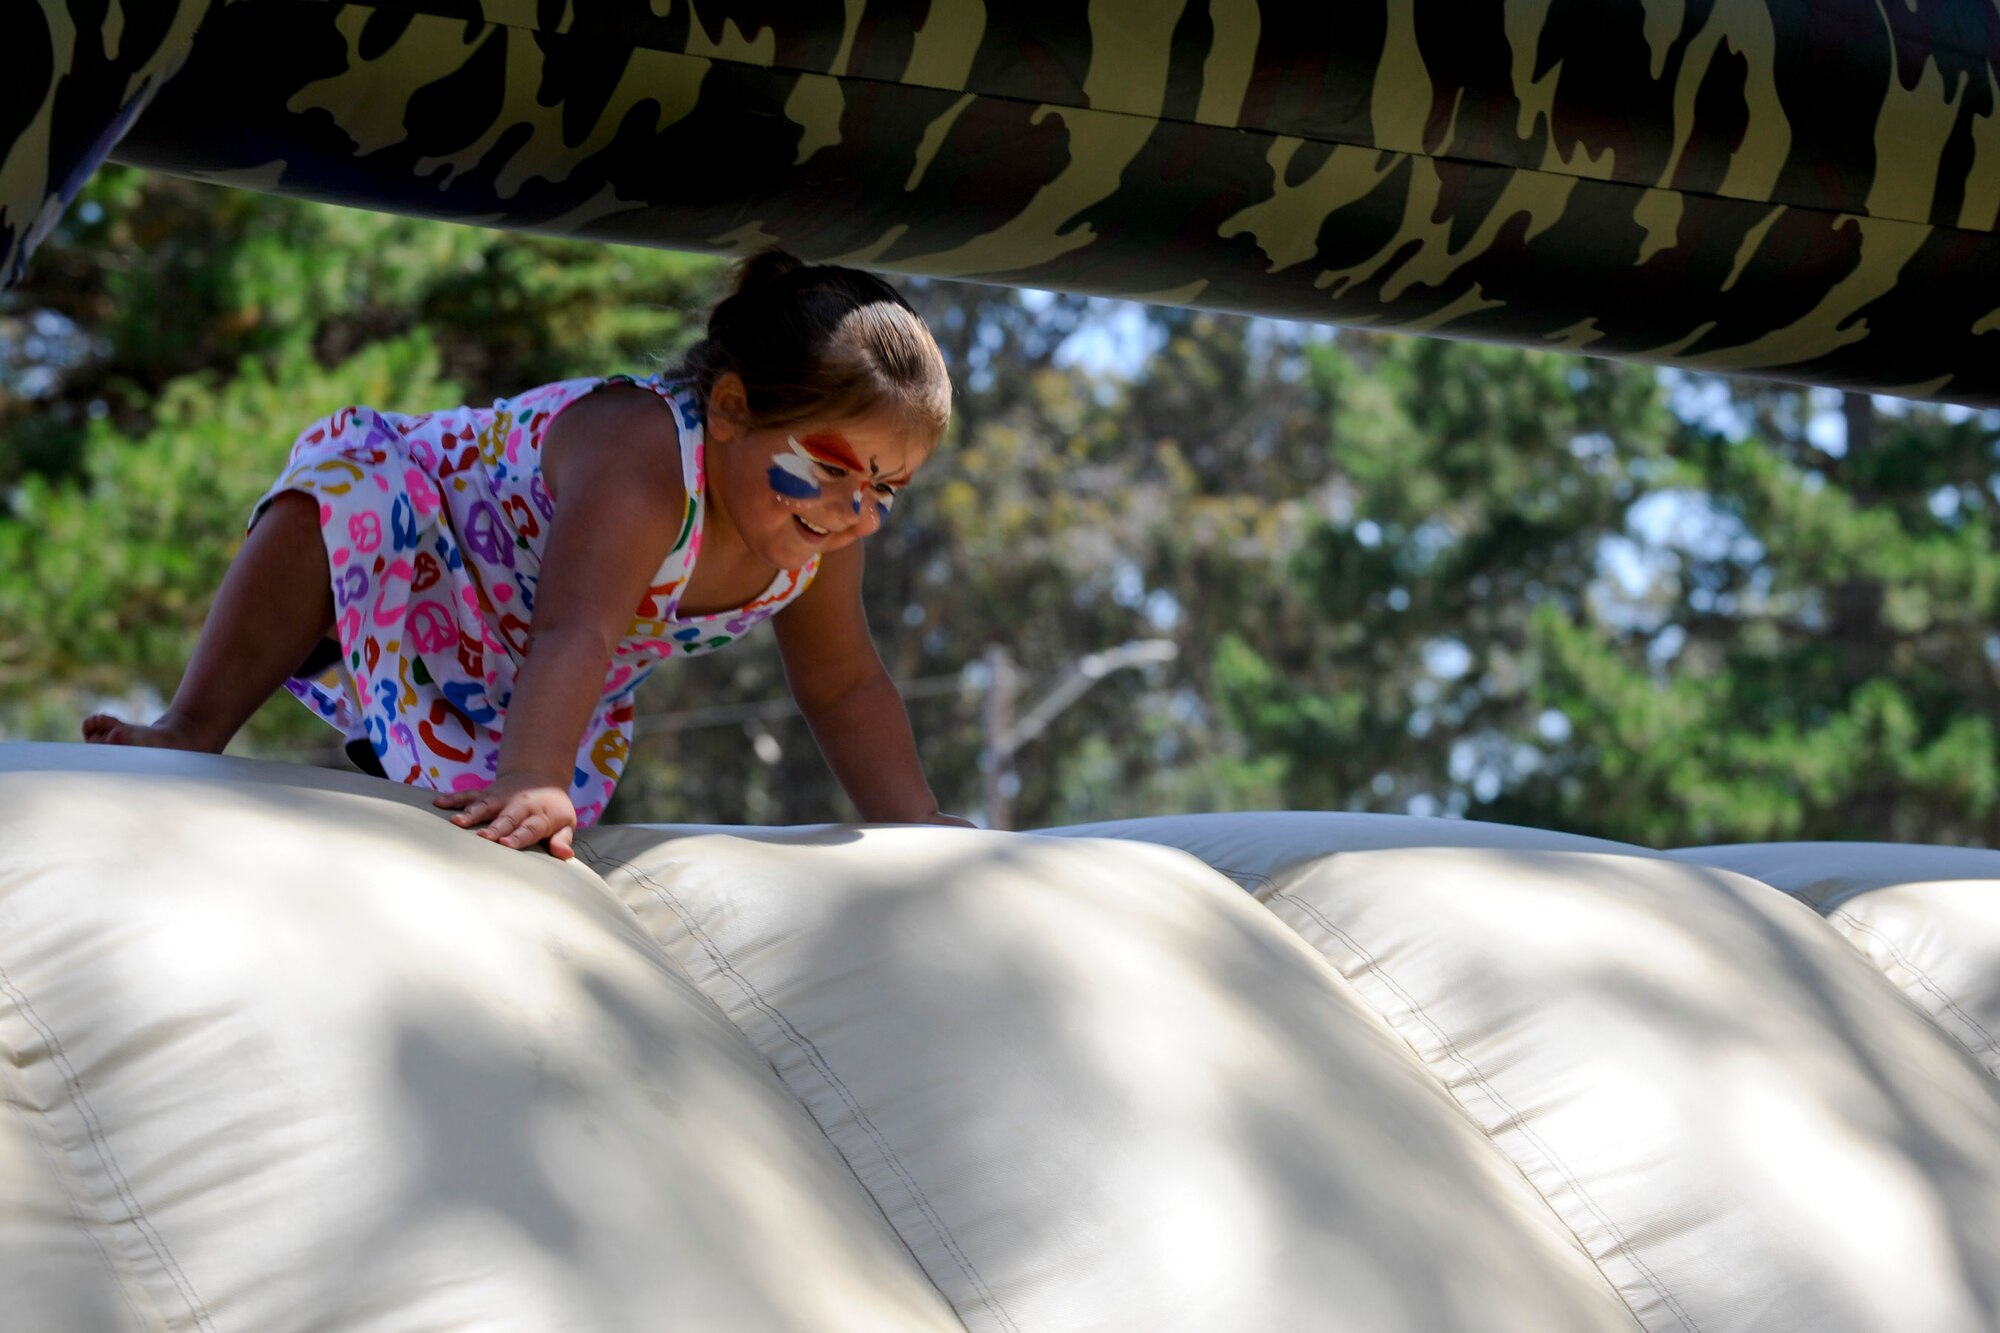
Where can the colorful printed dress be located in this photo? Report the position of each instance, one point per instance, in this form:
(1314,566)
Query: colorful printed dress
(435,527)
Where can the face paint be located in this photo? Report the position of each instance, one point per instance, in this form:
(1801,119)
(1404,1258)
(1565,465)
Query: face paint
(791,475)
(833,447)
(799,475)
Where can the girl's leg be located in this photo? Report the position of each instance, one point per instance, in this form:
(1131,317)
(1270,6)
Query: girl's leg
(275,604)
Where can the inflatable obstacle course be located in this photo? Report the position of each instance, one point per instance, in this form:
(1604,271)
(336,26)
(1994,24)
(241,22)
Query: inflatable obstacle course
(1773,187)
(286,1050)
(281,1049)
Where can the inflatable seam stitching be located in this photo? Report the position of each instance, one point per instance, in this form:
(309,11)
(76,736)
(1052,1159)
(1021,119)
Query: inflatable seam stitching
(1514,1117)
(197,1309)
(821,1066)
(1253,882)
(1943,997)
(82,1215)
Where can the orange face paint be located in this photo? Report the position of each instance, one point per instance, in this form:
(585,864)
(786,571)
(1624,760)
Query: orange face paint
(833,448)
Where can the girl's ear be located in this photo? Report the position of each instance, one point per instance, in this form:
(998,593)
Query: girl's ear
(727,406)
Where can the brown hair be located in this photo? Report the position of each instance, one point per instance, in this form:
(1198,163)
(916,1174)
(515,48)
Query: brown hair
(817,341)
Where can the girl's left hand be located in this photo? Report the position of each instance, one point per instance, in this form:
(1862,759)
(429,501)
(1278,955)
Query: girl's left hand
(519,810)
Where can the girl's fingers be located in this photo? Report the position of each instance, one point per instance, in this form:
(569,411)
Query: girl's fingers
(462,800)
(501,824)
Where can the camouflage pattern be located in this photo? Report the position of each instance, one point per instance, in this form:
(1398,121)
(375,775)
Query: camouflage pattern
(73,78)
(1798,188)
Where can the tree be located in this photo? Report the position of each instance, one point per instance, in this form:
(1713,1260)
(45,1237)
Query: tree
(1818,659)
(1467,486)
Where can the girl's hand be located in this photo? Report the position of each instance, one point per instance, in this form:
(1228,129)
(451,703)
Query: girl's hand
(519,810)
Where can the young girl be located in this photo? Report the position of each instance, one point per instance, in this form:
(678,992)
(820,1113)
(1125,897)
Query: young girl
(472,596)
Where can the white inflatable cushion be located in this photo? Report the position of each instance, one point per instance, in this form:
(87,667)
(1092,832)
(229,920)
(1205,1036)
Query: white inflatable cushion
(1746,1126)
(1096,1087)
(1929,917)
(283,1050)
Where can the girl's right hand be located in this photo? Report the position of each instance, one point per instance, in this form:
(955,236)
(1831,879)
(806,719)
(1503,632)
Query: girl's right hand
(518,810)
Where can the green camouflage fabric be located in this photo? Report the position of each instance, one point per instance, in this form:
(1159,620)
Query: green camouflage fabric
(73,78)
(1804,189)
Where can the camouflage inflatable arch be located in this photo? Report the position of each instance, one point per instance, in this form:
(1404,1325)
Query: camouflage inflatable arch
(1798,188)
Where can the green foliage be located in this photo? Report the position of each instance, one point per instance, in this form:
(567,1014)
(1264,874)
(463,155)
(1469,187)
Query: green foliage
(1807,653)
(1818,667)
(1701,757)
(1467,486)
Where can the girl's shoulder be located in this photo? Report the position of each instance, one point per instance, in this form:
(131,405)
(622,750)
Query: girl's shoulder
(547,401)
(533,410)
(622,419)
(542,397)
(677,392)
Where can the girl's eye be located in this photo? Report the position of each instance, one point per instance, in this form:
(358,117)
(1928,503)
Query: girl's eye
(888,492)
(832,473)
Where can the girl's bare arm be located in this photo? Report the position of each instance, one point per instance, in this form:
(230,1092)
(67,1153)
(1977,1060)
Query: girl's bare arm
(856,715)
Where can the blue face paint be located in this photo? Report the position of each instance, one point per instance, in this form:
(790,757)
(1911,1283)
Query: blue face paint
(857,504)
(794,475)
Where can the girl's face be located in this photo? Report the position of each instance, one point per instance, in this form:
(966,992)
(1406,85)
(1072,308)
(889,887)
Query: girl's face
(801,490)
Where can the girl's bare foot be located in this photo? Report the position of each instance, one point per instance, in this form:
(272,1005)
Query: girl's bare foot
(167,734)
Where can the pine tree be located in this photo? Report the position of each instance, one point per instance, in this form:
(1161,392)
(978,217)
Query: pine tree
(1817,660)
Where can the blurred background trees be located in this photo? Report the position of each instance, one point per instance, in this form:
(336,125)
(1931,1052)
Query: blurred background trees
(1399,574)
